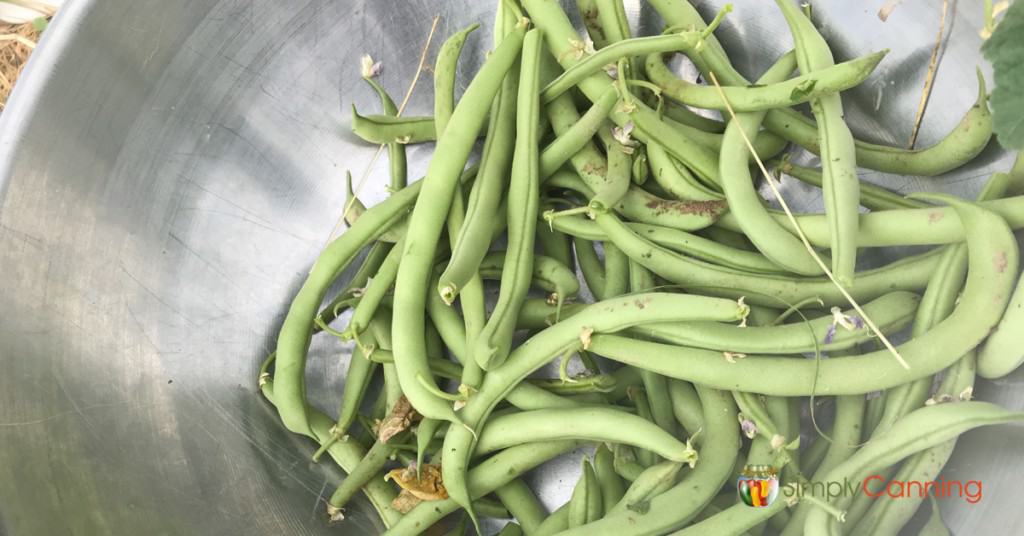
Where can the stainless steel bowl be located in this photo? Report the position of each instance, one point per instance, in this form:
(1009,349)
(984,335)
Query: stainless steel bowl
(169,171)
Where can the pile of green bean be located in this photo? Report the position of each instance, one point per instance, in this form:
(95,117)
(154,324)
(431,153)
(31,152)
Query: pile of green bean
(713,328)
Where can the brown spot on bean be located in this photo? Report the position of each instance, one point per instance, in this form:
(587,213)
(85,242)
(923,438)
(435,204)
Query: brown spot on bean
(711,208)
(1001,262)
(936,216)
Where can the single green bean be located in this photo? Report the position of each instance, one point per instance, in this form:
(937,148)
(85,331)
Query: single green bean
(612,488)
(590,265)
(386,129)
(652,482)
(891,312)
(575,137)
(686,407)
(396,151)
(871,196)
(763,96)
(548,274)
(524,506)
(444,77)
(675,178)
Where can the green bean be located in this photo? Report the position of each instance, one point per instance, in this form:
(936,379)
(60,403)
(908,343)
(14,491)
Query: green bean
(345,299)
(384,129)
(585,502)
(548,274)
(591,267)
(775,242)
(840,185)
(609,315)
(908,227)
(686,407)
(356,208)
(678,241)
(524,506)
(612,488)
(763,96)
(957,148)
(594,63)
(625,463)
(891,312)
(734,520)
(767,145)
(444,77)
(591,16)
(473,239)
(686,116)
(1002,351)
(489,475)
(425,225)
(993,261)
(871,196)
(556,245)
(918,430)
(642,403)
(493,345)
(598,383)
(675,178)
(584,423)
(369,467)
(652,482)
(575,137)
(360,372)
(641,168)
(559,519)
(682,502)
(396,151)
(640,206)
(960,146)
(374,291)
(616,271)
(907,274)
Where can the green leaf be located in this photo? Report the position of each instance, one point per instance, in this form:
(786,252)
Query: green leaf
(1005,50)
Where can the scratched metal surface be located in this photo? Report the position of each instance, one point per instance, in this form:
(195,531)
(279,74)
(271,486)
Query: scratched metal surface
(168,173)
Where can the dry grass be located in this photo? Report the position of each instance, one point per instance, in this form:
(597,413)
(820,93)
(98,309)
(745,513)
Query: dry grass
(16,43)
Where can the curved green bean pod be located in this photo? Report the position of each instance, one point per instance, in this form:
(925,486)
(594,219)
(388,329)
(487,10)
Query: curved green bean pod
(426,222)
(641,206)
(375,290)
(492,473)
(960,146)
(678,241)
(524,506)
(585,503)
(444,77)
(675,507)
(585,423)
(612,488)
(774,241)
(548,275)
(346,299)
(591,267)
(368,468)
(891,312)
(493,344)
(556,245)
(686,407)
(570,140)
(871,196)
(918,430)
(357,379)
(993,261)
(638,46)
(840,184)
(559,519)
(675,179)
(653,481)
(1003,350)
(382,129)
(907,227)
(907,274)
(734,520)
(396,151)
(356,208)
(616,271)
(682,114)
(763,96)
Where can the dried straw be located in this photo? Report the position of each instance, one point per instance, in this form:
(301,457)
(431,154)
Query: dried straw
(16,43)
